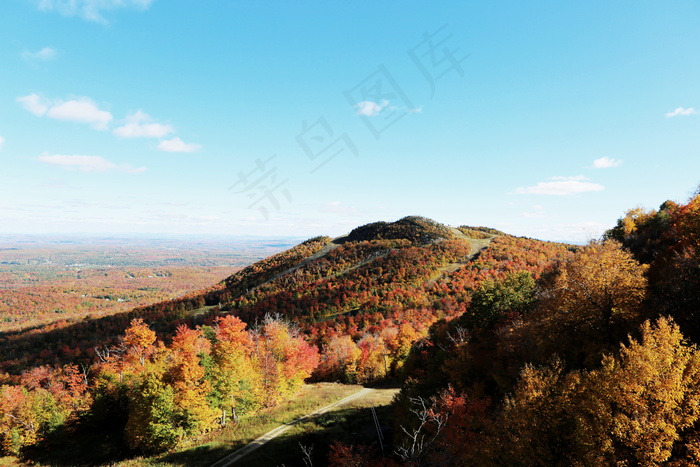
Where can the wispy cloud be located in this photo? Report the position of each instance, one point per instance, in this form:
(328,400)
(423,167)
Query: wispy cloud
(682,112)
(370,108)
(79,109)
(34,104)
(141,125)
(2,142)
(44,55)
(575,177)
(537,212)
(336,207)
(177,145)
(90,164)
(561,186)
(606,163)
(57,183)
(91,10)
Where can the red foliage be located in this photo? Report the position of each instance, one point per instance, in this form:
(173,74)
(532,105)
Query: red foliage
(343,455)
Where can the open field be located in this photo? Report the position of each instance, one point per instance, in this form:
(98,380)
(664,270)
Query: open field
(47,279)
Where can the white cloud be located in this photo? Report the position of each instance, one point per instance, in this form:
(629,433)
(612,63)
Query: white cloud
(87,163)
(2,142)
(177,145)
(680,111)
(606,163)
(34,104)
(369,108)
(44,55)
(561,186)
(138,125)
(81,163)
(91,10)
(80,109)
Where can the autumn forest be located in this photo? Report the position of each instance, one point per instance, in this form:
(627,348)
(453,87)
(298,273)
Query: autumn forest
(506,350)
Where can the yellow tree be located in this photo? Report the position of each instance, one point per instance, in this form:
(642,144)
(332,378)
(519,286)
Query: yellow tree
(283,358)
(25,416)
(534,427)
(187,378)
(128,360)
(401,346)
(639,404)
(593,300)
(18,424)
(641,408)
(373,362)
(138,340)
(340,358)
(237,384)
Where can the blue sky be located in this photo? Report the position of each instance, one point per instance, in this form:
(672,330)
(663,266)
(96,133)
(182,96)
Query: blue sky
(545,119)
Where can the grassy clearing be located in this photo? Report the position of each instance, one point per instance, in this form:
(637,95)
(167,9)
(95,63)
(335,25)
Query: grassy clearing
(218,444)
(203,310)
(10,461)
(352,423)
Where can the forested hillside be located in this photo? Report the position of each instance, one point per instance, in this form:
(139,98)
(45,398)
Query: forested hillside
(510,351)
(594,363)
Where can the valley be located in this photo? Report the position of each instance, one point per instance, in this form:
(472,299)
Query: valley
(49,279)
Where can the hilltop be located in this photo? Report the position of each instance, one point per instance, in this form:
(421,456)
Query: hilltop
(418,230)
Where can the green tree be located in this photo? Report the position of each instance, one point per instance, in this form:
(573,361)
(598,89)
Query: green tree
(27,416)
(152,424)
(494,299)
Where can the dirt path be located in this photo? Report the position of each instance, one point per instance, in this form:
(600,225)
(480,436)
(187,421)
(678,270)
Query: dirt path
(272,434)
(476,246)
